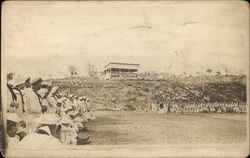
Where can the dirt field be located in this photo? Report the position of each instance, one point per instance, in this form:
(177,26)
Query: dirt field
(121,127)
(130,134)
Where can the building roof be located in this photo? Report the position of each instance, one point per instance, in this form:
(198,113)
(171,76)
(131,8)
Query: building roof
(121,66)
(115,63)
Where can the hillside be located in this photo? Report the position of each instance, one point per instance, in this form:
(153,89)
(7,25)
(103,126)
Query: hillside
(131,94)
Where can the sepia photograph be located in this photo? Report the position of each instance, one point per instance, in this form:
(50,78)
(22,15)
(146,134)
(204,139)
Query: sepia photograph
(124,79)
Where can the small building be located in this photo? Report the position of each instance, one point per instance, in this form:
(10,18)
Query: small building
(120,70)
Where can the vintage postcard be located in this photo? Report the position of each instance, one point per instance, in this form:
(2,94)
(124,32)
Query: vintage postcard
(125,79)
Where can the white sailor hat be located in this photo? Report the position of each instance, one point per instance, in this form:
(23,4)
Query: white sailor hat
(47,119)
(66,120)
(18,81)
(53,90)
(12,117)
(37,81)
(46,129)
(47,83)
(68,108)
(60,100)
(64,98)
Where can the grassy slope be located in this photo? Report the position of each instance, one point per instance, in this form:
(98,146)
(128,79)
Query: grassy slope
(218,88)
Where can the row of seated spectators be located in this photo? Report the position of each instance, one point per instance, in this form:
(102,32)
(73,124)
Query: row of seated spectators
(93,85)
(182,108)
(135,76)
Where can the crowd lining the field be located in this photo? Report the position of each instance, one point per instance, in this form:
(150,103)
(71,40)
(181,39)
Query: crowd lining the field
(177,108)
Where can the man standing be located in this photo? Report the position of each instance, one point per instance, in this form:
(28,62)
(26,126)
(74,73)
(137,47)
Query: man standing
(11,95)
(20,90)
(182,107)
(33,104)
(32,98)
(161,108)
(169,108)
(50,101)
(153,107)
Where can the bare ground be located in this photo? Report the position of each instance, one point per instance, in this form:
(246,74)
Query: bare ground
(122,127)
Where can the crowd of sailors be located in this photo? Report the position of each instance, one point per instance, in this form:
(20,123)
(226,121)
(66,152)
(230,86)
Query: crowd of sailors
(39,114)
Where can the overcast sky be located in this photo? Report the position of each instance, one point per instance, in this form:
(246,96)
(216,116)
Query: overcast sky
(42,38)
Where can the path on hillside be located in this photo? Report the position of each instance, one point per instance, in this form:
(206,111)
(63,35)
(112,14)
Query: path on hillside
(121,127)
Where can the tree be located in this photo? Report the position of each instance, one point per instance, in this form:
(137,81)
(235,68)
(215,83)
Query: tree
(226,71)
(72,70)
(218,73)
(209,71)
(91,70)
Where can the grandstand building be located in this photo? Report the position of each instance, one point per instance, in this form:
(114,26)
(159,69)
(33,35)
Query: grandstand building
(121,70)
